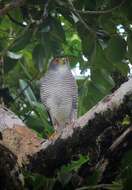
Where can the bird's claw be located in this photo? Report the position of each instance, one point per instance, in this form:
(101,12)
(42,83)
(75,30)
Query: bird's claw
(54,136)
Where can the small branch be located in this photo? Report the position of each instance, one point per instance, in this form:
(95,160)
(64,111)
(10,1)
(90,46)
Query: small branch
(104,186)
(120,139)
(10,6)
(100,12)
(80,18)
(104,161)
(15,21)
(45,12)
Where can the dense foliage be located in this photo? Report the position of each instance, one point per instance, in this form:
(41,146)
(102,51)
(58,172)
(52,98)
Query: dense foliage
(95,34)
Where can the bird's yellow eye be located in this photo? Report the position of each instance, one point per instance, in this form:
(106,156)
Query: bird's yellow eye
(56,61)
(60,61)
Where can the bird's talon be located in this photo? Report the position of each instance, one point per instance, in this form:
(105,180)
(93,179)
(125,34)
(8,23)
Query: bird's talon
(54,136)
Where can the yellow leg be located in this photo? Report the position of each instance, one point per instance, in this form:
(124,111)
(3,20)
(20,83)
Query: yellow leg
(54,135)
(56,132)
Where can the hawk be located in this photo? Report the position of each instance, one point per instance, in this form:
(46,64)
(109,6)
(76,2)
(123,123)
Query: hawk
(58,92)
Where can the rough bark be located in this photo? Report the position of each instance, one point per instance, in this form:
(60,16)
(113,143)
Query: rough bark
(89,136)
(17,143)
(89,129)
(11,177)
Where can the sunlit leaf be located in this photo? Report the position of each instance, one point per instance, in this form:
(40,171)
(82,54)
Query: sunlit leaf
(13,55)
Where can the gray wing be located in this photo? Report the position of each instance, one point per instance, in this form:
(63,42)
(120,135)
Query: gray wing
(45,93)
(44,90)
(74,97)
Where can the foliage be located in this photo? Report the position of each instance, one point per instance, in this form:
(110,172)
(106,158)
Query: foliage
(66,171)
(64,175)
(96,34)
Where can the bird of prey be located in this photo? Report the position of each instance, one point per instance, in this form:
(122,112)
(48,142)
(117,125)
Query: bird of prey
(58,92)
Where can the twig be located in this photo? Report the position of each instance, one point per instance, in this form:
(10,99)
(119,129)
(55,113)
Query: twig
(95,12)
(120,139)
(45,13)
(10,6)
(96,186)
(103,163)
(15,21)
(80,18)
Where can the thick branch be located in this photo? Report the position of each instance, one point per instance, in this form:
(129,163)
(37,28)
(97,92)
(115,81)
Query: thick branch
(80,18)
(82,139)
(109,103)
(19,139)
(49,156)
(10,174)
(17,143)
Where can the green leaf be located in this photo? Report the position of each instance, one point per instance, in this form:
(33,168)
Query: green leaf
(38,182)
(87,41)
(123,68)
(13,55)
(101,70)
(21,42)
(64,174)
(102,80)
(9,64)
(57,31)
(88,45)
(99,60)
(116,49)
(43,116)
(27,91)
(38,57)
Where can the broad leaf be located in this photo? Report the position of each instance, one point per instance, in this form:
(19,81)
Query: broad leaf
(116,49)
(22,41)
(27,91)
(38,57)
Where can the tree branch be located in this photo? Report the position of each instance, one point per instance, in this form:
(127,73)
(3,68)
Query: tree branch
(100,12)
(11,177)
(19,139)
(109,103)
(15,21)
(82,139)
(120,139)
(80,18)
(10,6)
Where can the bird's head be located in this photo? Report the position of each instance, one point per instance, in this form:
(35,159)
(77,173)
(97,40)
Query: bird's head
(59,61)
